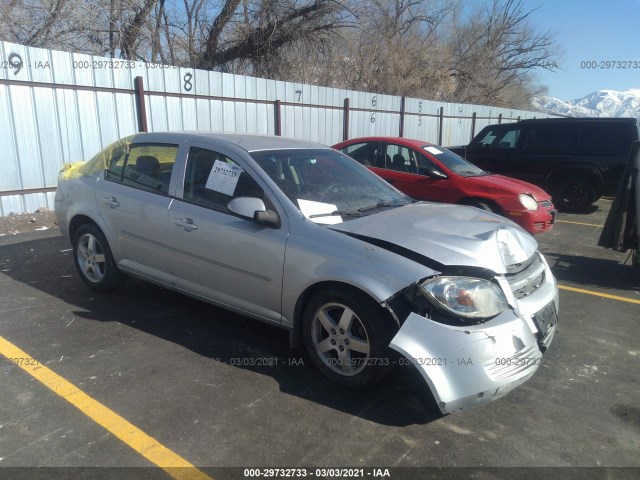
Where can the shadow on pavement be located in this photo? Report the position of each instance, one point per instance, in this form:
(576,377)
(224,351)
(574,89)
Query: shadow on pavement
(403,399)
(594,272)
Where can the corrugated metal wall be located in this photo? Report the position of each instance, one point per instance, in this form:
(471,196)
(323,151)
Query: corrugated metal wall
(58,107)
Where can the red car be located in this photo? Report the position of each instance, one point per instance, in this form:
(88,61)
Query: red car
(427,172)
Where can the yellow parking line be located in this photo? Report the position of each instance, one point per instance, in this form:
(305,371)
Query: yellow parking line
(580,223)
(599,294)
(148,447)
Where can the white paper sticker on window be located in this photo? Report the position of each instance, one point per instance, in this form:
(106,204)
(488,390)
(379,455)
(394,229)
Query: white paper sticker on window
(310,208)
(433,150)
(223,177)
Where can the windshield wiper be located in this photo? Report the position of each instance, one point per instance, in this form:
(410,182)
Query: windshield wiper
(380,204)
(335,213)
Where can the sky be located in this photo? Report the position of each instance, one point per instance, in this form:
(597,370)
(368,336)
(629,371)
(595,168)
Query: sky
(589,31)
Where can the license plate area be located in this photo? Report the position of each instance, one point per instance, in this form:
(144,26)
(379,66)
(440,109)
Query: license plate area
(546,320)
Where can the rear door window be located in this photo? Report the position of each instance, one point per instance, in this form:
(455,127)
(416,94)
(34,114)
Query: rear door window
(145,167)
(604,137)
(366,153)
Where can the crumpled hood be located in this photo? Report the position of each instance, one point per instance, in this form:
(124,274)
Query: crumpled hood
(448,234)
(508,185)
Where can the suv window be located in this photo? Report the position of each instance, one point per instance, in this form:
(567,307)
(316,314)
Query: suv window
(604,137)
(509,139)
(499,138)
(550,138)
(146,167)
(212,180)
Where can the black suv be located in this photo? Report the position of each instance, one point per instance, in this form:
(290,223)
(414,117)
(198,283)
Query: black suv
(575,159)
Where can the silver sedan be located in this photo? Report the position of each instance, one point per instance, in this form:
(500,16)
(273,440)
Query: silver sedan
(298,235)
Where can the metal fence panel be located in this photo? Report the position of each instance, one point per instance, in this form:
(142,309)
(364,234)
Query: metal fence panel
(26,135)
(10,178)
(50,150)
(85,102)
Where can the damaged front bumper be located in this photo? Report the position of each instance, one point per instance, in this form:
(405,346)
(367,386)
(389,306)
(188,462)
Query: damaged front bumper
(466,366)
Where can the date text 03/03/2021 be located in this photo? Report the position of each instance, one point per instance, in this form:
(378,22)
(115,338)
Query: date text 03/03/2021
(316,472)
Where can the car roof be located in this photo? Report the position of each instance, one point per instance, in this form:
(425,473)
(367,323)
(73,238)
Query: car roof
(410,142)
(578,120)
(246,141)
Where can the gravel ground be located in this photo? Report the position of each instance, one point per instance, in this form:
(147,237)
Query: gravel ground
(41,219)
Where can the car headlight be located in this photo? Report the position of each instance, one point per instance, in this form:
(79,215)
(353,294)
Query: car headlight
(467,297)
(527,201)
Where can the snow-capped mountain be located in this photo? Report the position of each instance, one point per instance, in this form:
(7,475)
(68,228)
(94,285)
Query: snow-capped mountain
(603,103)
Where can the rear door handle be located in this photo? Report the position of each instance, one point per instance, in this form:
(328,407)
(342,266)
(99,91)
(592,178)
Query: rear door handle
(111,201)
(186,223)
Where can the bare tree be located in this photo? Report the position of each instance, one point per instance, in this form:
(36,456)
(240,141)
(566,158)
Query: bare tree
(438,49)
(270,26)
(131,32)
(497,49)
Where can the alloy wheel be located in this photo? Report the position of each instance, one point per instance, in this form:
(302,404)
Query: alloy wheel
(340,339)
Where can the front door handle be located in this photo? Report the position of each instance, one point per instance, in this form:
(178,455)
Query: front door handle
(111,201)
(186,223)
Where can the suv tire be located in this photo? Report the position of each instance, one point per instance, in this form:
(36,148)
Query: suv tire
(573,193)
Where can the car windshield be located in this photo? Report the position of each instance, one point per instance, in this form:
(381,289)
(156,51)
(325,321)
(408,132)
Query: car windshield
(325,183)
(454,162)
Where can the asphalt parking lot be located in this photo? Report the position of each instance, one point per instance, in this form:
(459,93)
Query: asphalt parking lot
(218,390)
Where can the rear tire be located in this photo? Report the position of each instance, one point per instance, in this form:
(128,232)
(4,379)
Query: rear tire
(347,336)
(93,259)
(574,193)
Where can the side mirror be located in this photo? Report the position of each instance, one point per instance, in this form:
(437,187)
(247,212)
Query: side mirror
(254,208)
(268,218)
(433,173)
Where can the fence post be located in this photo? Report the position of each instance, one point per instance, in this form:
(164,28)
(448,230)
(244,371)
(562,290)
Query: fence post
(441,126)
(473,125)
(277,118)
(518,117)
(141,109)
(500,118)
(345,123)
(401,129)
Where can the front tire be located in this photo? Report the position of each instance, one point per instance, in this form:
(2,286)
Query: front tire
(482,205)
(347,336)
(93,259)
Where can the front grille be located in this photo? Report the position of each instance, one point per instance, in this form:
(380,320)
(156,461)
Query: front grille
(539,226)
(526,277)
